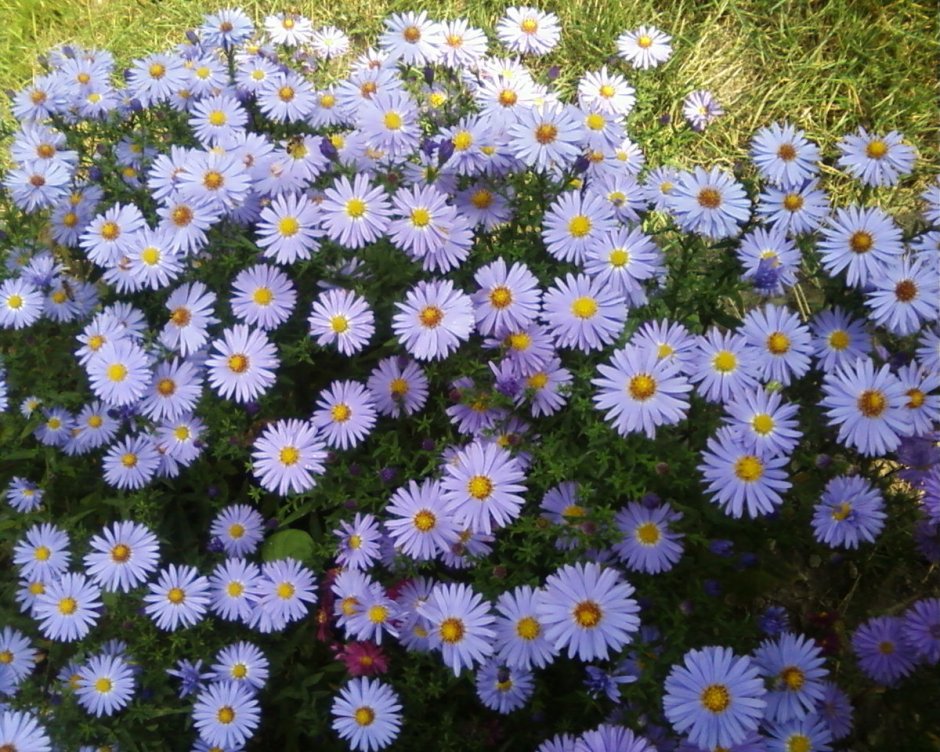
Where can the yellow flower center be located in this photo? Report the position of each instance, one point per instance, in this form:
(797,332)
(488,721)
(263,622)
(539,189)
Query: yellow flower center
(839,339)
(481,198)
(213,180)
(378,614)
(288,226)
(285,590)
(507,97)
(762,423)
(411,34)
(528,628)
(339,324)
(793,202)
(905,291)
(452,630)
(239,671)
(286,93)
(424,520)
(709,198)
(529,25)
(537,380)
(234,589)
(54,424)
(715,698)
(42,553)
(129,460)
(644,41)
(584,307)
(364,716)
(579,226)
(842,512)
(157,70)
(67,606)
(431,316)
(226,714)
(519,341)
(420,217)
(607,91)
(748,468)
(462,140)
(181,316)
(103,685)
(642,387)
(289,456)
(175,595)
(778,343)
(340,412)
(15,302)
(95,421)
(480,487)
(648,533)
(876,149)
(799,743)
(238,363)
(121,553)
(793,678)
(500,297)
(355,208)
(786,152)
(181,433)
(872,403)
(915,398)
(217,118)
(861,241)
(59,297)
(587,614)
(166,387)
(398,388)
(263,296)
(110,230)
(236,530)
(619,258)
(546,133)
(392,121)
(6,656)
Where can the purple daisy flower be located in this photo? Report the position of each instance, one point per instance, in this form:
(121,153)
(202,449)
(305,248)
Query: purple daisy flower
(648,544)
(178,599)
(263,296)
(923,402)
(862,241)
(226,714)
(218,176)
(367,714)
(782,343)
(190,308)
(583,313)
(482,487)
(715,697)
(132,462)
(574,223)
(233,589)
(503,688)
(740,481)
(624,260)
(460,625)
(119,372)
(520,634)
(783,155)
(433,320)
(882,652)
(644,47)
(867,406)
(355,214)
(123,556)
(770,260)
(289,229)
(67,607)
(723,365)
(838,339)
(174,390)
(242,364)
(710,203)
(546,138)
(105,685)
(286,591)
(921,629)
(875,159)
(43,552)
(345,414)
(850,510)
(795,670)
(388,121)
(341,318)
(418,521)
(286,97)
(424,221)
(763,422)
(587,609)
(399,387)
(797,210)
(286,458)
(905,295)
(609,736)
(836,709)
(811,733)
(508,299)
(701,109)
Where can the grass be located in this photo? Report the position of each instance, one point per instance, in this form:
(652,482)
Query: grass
(827,66)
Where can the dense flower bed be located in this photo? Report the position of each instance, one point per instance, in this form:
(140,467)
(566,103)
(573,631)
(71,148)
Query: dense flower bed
(401,398)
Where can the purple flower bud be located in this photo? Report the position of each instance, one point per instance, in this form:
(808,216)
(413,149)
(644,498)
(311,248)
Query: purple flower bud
(192,37)
(428,445)
(665,119)
(271,523)
(581,164)
(823,461)
(351,504)
(651,501)
(553,72)
(721,547)
(252,407)
(215,545)
(428,75)
(328,150)
(445,150)
(354,469)
(212,491)
(387,474)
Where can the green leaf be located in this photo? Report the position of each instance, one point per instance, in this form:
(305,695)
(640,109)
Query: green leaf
(295,544)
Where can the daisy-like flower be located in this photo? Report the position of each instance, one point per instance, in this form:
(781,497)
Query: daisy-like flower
(763,423)
(345,414)
(105,685)
(433,320)
(240,529)
(20,731)
(286,587)
(905,295)
(641,391)
(24,495)
(850,510)
(110,236)
(43,552)
(575,223)
(797,210)
(864,242)
(418,522)
(367,714)
(131,463)
(218,176)
(123,556)
(838,339)
(234,589)
(226,28)
(412,38)
(399,386)
(771,260)
(217,118)
(876,159)
(784,155)
(782,342)
(546,388)
(836,709)
(174,390)
(241,662)
(424,220)
(461,625)
(811,733)
(286,97)
(359,542)
(226,714)
(623,260)
(389,123)
(263,296)
(645,47)
(20,303)
(17,655)
(190,308)
(795,669)
(119,372)
(242,364)
(583,313)
(287,457)
(882,652)
(867,406)
(546,138)
(482,487)
(710,203)
(715,697)
(588,609)
(508,298)
(329,42)
(355,214)
(290,30)
(923,402)
(606,92)
(502,688)
(648,543)
(701,109)
(921,629)
(740,481)
(178,599)
(528,31)
(289,228)
(341,318)
(67,607)
(520,634)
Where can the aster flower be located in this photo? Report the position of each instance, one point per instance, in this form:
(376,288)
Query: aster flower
(875,159)
(174,390)
(241,662)
(583,313)
(740,481)
(17,655)
(412,38)
(242,364)
(178,599)
(286,97)
(418,522)
(645,47)
(797,210)
(862,241)
(433,320)
(367,714)
(123,556)
(289,228)
(607,92)
(836,709)
(359,542)
(905,295)
(288,29)
(287,457)
(574,223)
(424,221)
(921,629)
(119,372)
(624,259)
(850,510)
(867,406)
(700,109)
(781,341)
(547,138)
(520,634)
(838,339)
(640,391)
(67,607)
(482,488)
(711,203)
(502,688)
(715,697)
(240,529)
(20,303)
(587,609)
(811,732)
(42,552)
(343,318)
(226,714)
(21,731)
(345,414)
(388,121)
(923,404)
(190,308)
(460,622)
(507,299)
(784,155)
(131,463)
(24,495)
(105,685)
(763,423)
(648,543)
(399,386)
(286,587)
(234,590)
(110,236)
(363,659)
(355,214)
(528,30)
(546,388)
(218,176)
(794,667)
(263,296)
(770,260)
(882,652)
